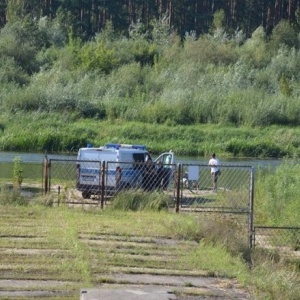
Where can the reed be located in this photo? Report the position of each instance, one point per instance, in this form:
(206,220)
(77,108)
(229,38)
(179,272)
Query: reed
(66,133)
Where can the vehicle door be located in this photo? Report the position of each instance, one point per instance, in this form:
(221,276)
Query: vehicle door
(166,168)
(129,162)
(88,172)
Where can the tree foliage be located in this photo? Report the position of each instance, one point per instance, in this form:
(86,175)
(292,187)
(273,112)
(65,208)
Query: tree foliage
(147,71)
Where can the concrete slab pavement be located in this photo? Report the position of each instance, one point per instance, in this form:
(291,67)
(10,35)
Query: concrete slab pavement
(141,293)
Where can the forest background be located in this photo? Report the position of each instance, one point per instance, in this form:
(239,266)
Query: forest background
(192,76)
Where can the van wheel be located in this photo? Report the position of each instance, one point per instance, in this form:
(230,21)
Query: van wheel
(86,195)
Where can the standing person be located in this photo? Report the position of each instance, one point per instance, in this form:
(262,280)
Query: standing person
(168,170)
(214,170)
(169,157)
(148,174)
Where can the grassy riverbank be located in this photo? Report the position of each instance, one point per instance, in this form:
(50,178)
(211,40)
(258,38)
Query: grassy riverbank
(66,133)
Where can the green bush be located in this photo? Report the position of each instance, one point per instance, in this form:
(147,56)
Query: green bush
(95,56)
(255,49)
(18,172)
(10,71)
(140,200)
(21,40)
(284,34)
(206,50)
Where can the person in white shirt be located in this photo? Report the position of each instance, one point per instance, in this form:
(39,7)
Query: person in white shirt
(169,158)
(214,170)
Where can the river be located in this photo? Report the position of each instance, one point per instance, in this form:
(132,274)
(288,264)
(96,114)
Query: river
(8,157)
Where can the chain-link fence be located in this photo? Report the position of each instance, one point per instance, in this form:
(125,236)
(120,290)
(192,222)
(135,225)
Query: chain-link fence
(284,241)
(230,190)
(24,179)
(95,180)
(227,195)
(191,188)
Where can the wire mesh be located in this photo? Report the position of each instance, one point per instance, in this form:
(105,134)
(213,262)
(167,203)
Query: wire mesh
(27,182)
(91,179)
(229,191)
(195,189)
(148,176)
(284,241)
(83,182)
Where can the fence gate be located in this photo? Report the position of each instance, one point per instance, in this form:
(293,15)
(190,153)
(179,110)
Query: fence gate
(102,180)
(231,198)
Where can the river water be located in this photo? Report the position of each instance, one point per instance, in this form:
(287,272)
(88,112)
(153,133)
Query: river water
(8,157)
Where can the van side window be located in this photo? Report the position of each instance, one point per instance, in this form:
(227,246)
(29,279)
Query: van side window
(138,158)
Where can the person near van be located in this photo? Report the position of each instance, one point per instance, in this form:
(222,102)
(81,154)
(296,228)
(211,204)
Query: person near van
(167,170)
(169,158)
(148,175)
(214,170)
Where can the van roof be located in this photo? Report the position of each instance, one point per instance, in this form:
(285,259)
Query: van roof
(116,147)
(125,146)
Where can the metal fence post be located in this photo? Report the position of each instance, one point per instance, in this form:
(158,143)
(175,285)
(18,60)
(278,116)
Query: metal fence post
(102,183)
(251,206)
(178,187)
(45,174)
(58,198)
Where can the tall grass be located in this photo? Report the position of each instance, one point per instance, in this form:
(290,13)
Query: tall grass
(276,195)
(67,133)
(11,195)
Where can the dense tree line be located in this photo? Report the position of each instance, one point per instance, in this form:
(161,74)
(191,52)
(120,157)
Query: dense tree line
(90,16)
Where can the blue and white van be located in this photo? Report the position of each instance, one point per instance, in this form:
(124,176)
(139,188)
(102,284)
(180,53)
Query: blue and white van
(124,166)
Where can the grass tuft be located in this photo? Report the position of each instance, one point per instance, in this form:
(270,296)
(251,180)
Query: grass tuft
(140,200)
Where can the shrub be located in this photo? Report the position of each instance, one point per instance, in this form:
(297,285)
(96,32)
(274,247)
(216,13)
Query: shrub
(284,34)
(18,171)
(255,49)
(21,40)
(205,50)
(285,62)
(10,71)
(97,56)
(140,200)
